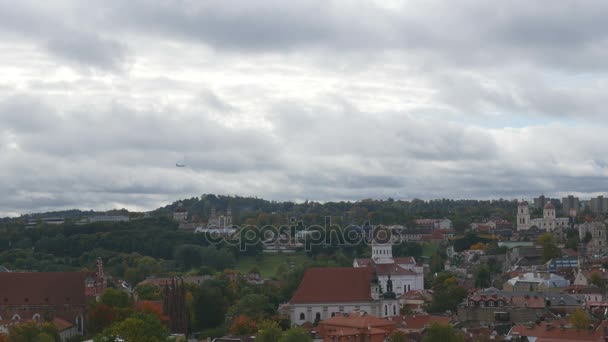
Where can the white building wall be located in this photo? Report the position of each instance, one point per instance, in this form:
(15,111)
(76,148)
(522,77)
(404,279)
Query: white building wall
(325,310)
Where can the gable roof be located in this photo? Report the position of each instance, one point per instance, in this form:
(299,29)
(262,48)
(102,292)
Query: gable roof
(42,288)
(334,285)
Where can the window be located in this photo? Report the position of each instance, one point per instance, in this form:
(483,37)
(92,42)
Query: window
(385,310)
(36,317)
(318,316)
(16,317)
(394,310)
(302,317)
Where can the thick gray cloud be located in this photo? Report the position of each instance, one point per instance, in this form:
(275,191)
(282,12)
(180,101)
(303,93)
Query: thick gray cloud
(319,100)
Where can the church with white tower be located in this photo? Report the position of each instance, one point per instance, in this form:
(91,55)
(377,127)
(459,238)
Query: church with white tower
(405,274)
(373,286)
(548,222)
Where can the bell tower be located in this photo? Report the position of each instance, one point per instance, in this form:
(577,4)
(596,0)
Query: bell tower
(523,216)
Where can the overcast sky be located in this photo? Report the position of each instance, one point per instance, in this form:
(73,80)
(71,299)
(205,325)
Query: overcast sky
(294,100)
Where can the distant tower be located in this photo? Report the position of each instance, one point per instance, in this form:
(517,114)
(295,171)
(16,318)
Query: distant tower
(523,216)
(549,211)
(375,286)
(229,216)
(381,252)
(101,280)
(382,247)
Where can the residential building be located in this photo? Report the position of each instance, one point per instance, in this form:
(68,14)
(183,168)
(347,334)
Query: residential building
(559,331)
(108,218)
(51,221)
(444,223)
(180,214)
(355,326)
(491,306)
(417,234)
(419,323)
(570,206)
(599,205)
(536,281)
(594,237)
(563,263)
(541,201)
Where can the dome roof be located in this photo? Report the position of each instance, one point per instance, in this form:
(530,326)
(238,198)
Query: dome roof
(523,204)
(549,205)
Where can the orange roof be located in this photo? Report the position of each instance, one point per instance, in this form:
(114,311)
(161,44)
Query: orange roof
(357,321)
(557,334)
(334,284)
(417,322)
(61,324)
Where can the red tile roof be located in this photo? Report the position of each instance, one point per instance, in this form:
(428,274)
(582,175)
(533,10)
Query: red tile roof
(557,334)
(405,260)
(334,284)
(42,288)
(417,322)
(61,324)
(357,320)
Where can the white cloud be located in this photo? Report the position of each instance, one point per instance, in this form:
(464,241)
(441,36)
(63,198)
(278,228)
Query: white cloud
(324,100)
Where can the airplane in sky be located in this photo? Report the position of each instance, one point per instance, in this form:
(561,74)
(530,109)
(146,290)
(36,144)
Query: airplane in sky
(180,165)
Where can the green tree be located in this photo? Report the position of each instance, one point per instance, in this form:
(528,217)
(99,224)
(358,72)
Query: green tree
(137,328)
(115,298)
(398,336)
(597,280)
(448,294)
(296,334)
(269,331)
(28,332)
(550,249)
(579,319)
(209,307)
(148,292)
(482,277)
(188,257)
(255,306)
(442,333)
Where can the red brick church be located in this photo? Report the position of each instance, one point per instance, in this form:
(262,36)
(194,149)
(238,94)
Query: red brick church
(45,296)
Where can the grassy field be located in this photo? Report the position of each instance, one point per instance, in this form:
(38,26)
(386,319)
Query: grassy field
(269,263)
(429,249)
